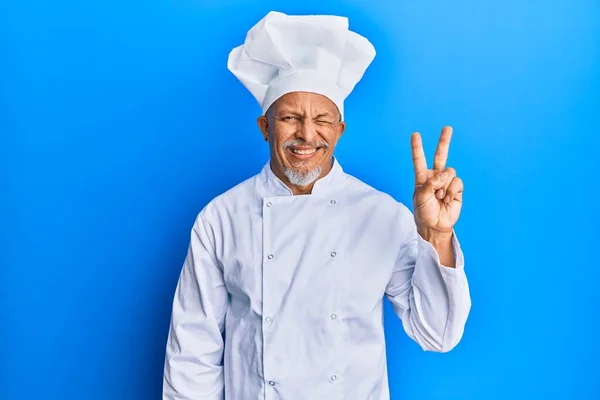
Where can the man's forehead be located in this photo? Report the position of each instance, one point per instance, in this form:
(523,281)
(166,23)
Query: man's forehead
(302,110)
(304,101)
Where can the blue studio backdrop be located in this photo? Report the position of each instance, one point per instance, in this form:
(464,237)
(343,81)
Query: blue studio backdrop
(119,121)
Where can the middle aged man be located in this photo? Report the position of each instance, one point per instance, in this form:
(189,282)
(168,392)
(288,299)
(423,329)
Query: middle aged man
(280,296)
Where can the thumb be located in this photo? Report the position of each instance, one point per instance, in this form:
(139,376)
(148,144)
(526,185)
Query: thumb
(436,182)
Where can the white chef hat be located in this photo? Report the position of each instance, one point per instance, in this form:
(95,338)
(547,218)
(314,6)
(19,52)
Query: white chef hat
(311,53)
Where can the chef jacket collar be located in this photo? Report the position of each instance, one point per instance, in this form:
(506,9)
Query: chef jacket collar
(324,185)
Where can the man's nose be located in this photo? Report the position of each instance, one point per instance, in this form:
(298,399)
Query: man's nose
(307,130)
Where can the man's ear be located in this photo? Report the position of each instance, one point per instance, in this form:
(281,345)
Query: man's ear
(340,129)
(263,125)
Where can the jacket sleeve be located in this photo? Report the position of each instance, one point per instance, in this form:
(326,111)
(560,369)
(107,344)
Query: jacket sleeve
(193,362)
(432,300)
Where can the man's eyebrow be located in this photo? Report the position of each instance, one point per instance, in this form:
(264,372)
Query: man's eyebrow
(324,115)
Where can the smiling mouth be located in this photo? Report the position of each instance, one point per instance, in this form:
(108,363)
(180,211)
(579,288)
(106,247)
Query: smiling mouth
(304,152)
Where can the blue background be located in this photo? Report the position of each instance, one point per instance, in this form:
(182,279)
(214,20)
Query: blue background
(119,121)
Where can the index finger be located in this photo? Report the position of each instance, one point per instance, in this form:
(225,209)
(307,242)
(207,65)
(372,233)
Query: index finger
(418,157)
(441,153)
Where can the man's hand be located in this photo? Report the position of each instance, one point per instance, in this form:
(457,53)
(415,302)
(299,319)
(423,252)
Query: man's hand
(437,199)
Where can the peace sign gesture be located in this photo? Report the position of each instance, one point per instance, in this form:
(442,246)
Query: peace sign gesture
(437,199)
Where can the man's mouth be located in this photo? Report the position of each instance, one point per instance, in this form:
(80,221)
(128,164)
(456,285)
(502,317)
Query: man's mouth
(303,153)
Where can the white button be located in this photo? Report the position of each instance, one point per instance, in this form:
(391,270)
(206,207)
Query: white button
(333,254)
(268,319)
(269,204)
(332,201)
(270,256)
(271,383)
(333,316)
(334,377)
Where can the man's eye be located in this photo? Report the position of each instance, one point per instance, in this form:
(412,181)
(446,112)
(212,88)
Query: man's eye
(323,121)
(291,118)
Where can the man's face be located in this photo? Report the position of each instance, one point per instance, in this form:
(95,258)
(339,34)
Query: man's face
(302,130)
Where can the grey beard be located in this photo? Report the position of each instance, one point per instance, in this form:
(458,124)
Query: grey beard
(302,178)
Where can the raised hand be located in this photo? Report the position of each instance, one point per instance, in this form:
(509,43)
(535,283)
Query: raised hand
(437,199)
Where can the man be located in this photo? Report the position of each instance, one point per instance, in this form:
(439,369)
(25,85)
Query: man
(281,293)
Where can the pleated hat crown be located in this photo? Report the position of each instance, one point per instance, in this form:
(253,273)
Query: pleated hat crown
(308,53)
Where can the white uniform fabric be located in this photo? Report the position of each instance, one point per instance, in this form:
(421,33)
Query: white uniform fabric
(296,284)
(301,53)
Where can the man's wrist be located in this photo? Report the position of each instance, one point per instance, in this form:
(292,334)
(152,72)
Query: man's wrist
(441,242)
(434,236)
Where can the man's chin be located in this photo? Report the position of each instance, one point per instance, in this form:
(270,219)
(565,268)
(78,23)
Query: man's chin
(304,165)
(303,176)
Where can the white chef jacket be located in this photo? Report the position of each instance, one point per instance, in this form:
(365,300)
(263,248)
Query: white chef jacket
(280,295)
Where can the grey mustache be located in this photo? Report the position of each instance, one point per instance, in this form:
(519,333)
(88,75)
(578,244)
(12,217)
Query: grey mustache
(291,143)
